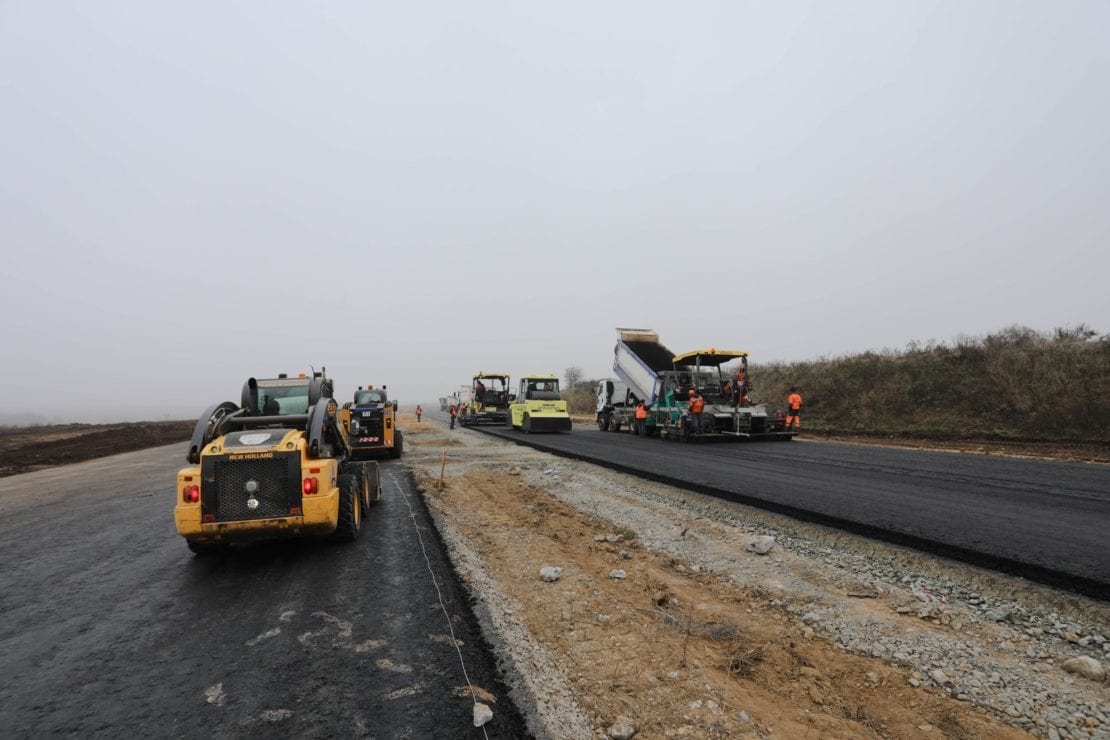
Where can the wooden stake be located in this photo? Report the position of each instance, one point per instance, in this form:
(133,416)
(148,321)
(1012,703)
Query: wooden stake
(442,466)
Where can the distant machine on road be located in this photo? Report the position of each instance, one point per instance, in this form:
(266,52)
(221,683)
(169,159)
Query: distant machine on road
(486,400)
(538,405)
(373,427)
(647,371)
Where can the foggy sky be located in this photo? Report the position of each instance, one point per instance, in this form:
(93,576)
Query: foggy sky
(194,193)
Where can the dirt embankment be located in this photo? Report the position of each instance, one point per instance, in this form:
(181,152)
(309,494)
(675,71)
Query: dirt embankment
(23,449)
(663,622)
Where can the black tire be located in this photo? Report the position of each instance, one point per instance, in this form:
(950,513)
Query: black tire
(350,509)
(203,549)
(527,424)
(398,444)
(373,482)
(603,422)
(614,424)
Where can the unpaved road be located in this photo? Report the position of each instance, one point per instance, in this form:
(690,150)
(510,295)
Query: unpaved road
(111,627)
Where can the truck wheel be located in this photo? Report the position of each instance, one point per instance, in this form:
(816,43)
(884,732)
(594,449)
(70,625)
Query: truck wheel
(527,424)
(398,444)
(350,509)
(602,422)
(614,424)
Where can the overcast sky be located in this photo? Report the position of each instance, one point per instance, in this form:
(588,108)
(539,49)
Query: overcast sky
(406,193)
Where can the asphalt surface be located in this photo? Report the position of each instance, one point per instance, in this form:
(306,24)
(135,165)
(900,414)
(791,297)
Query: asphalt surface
(1044,520)
(110,626)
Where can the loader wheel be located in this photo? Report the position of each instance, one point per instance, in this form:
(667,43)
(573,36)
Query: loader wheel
(602,422)
(398,445)
(373,482)
(201,549)
(527,424)
(350,509)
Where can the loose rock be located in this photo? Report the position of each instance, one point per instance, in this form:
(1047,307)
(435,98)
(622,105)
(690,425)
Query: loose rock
(1086,667)
(761,545)
(482,714)
(551,573)
(622,729)
(618,574)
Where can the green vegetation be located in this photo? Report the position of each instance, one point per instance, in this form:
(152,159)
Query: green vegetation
(627,534)
(1016,384)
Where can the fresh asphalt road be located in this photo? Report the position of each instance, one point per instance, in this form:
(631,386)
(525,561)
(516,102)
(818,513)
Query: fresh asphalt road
(110,626)
(1044,520)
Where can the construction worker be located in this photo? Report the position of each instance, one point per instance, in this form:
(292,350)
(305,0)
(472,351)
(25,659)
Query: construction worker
(638,426)
(454,412)
(696,407)
(419,411)
(794,410)
(479,391)
(741,385)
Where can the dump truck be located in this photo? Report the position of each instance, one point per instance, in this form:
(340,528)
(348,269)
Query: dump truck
(616,404)
(652,373)
(538,406)
(373,424)
(278,464)
(486,400)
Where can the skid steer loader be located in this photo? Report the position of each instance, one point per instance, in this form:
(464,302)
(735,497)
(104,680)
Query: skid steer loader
(278,464)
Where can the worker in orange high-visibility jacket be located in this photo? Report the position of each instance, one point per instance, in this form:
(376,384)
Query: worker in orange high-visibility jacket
(419,411)
(638,426)
(696,406)
(794,410)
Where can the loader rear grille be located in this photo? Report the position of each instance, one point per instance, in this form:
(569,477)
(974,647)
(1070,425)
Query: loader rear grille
(370,426)
(224,486)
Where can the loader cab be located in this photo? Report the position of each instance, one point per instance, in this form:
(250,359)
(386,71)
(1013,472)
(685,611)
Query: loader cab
(279,396)
(370,396)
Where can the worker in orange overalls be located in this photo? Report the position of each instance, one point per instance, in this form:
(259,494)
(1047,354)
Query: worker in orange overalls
(638,426)
(696,406)
(794,410)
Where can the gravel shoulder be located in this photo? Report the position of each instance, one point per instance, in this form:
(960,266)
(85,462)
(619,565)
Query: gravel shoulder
(825,635)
